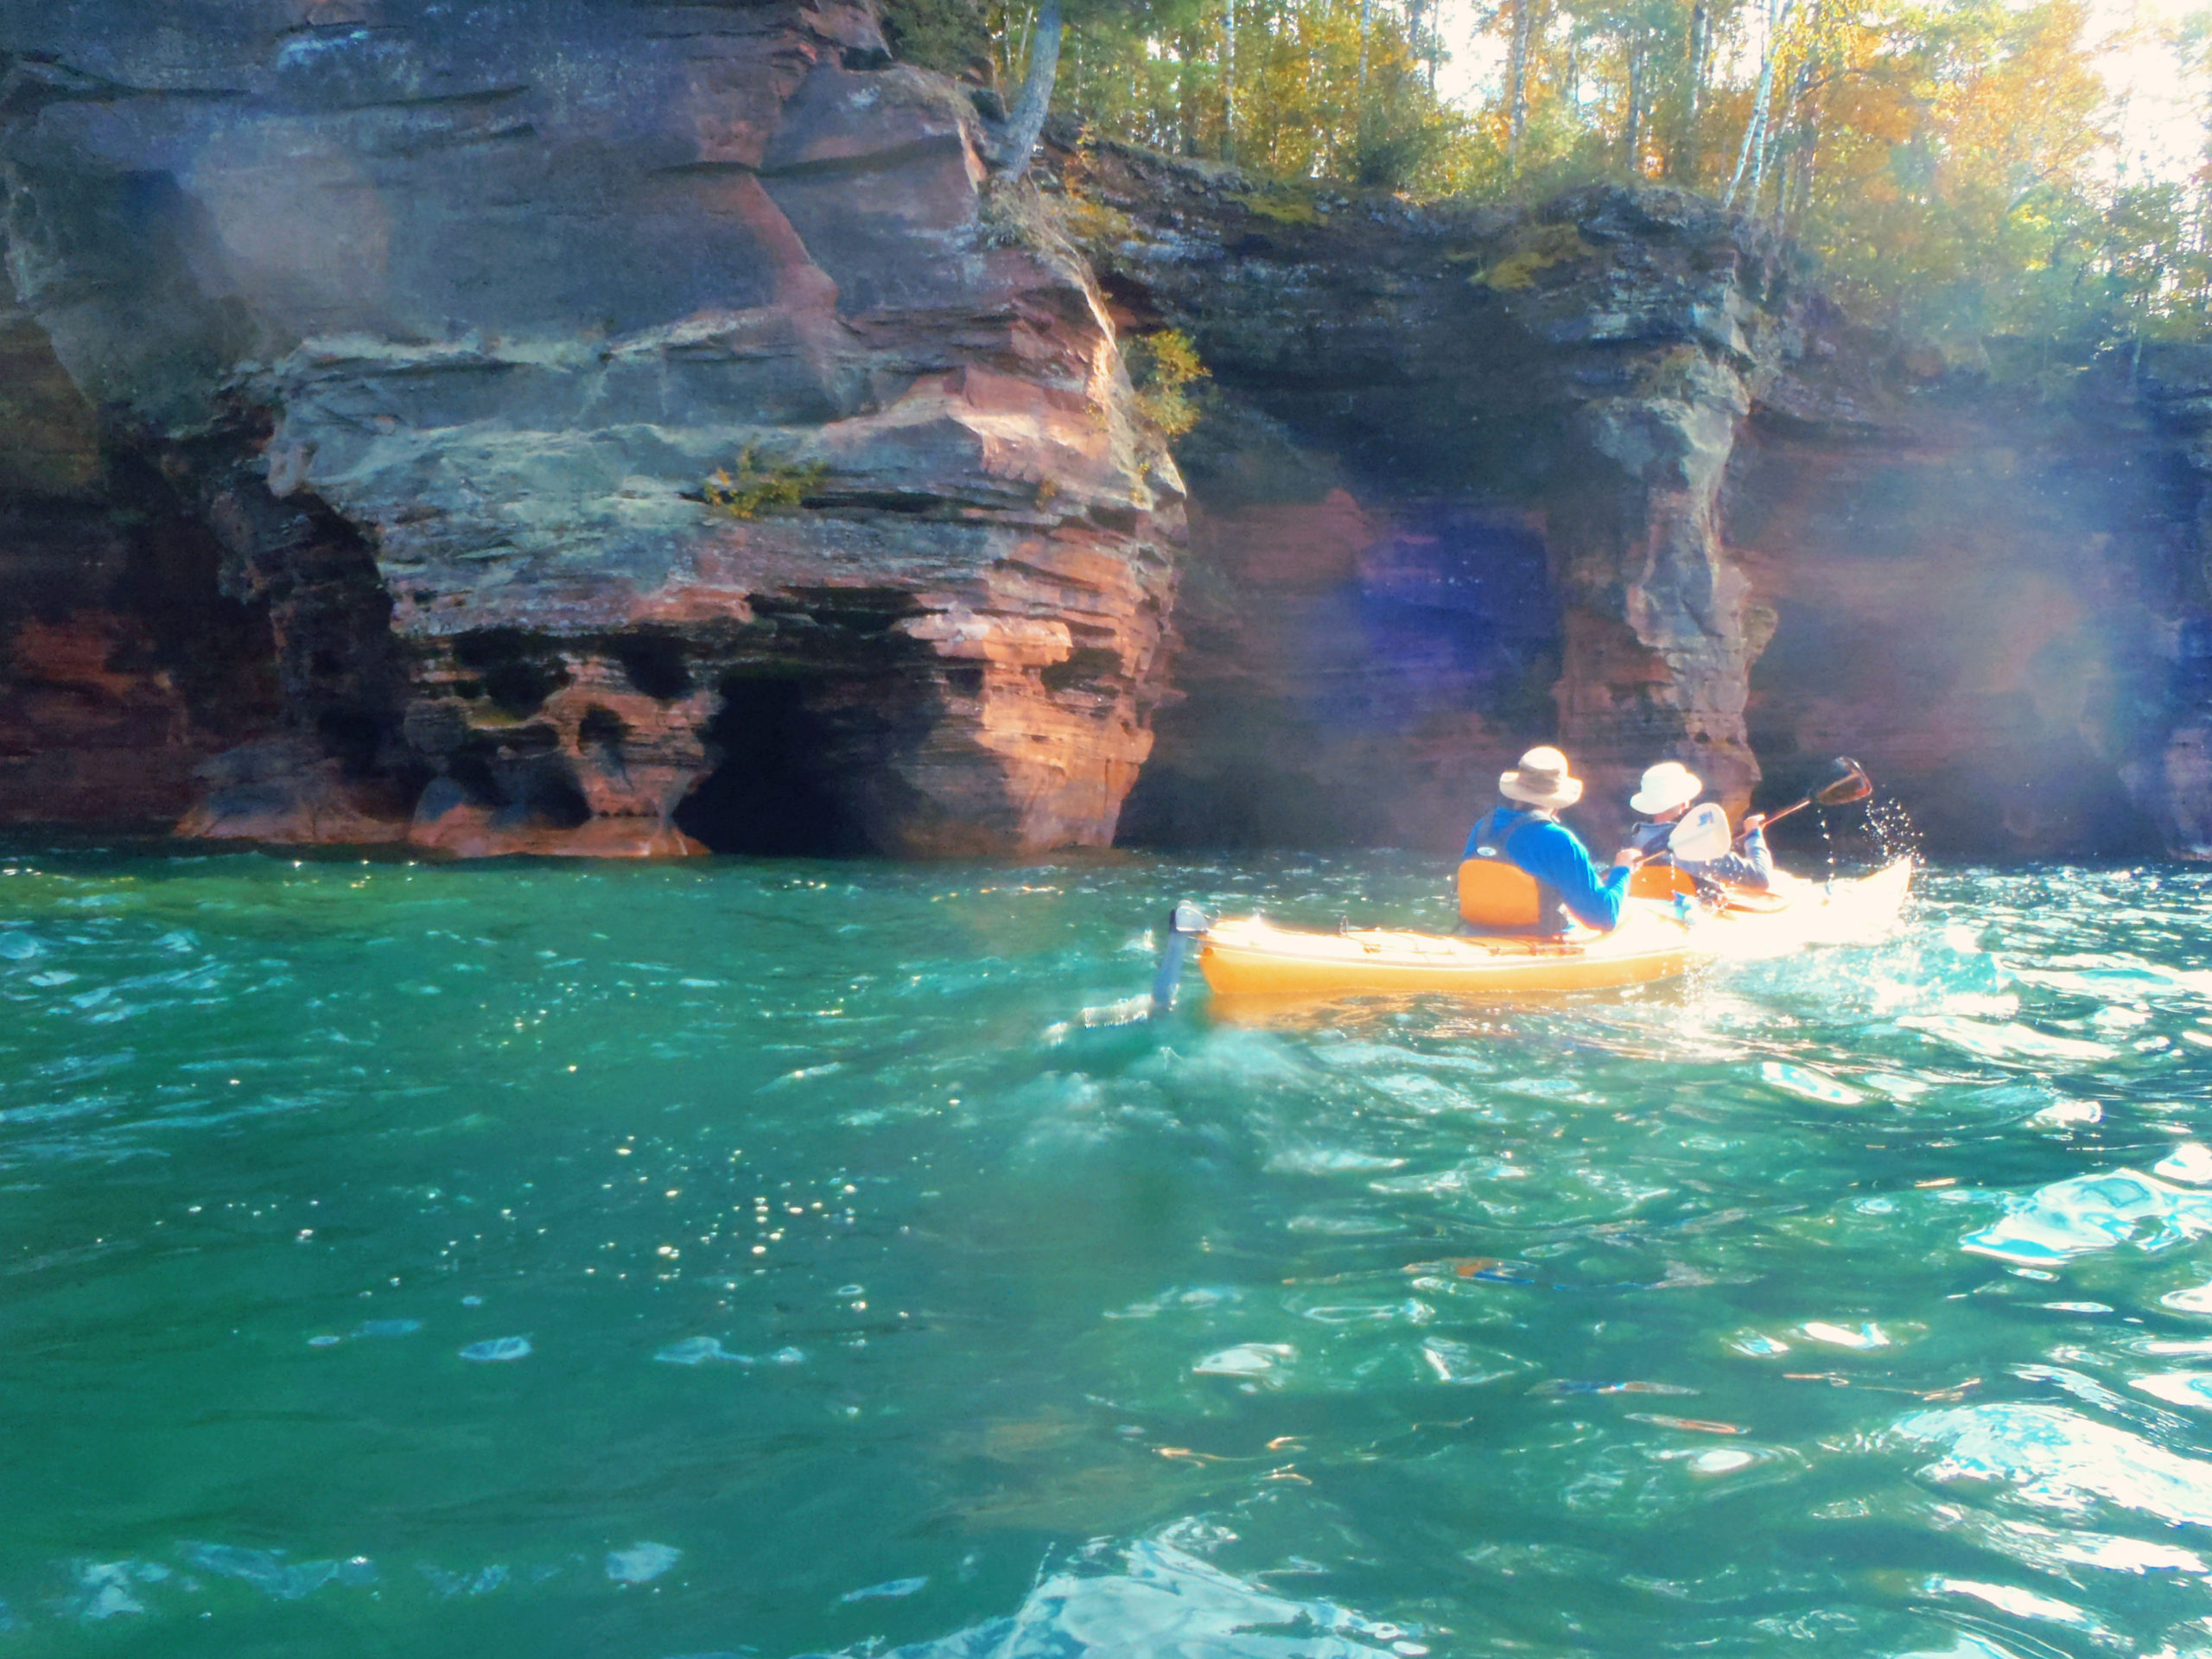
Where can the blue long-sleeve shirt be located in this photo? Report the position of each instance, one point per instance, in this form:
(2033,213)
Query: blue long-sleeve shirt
(1551,852)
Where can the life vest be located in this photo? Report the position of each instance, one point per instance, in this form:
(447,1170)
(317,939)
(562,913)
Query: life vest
(1495,894)
(1661,881)
(1662,878)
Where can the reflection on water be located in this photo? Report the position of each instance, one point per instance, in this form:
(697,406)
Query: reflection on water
(771,1259)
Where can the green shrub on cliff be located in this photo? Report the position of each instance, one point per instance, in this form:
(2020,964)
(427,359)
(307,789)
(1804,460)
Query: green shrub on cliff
(756,486)
(1400,133)
(946,35)
(1162,368)
(1535,250)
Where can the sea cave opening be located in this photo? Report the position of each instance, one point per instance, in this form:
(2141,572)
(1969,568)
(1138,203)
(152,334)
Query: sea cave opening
(1434,619)
(772,793)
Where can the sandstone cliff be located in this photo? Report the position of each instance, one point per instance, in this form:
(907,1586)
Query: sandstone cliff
(1615,457)
(427,332)
(1539,408)
(625,429)
(2172,778)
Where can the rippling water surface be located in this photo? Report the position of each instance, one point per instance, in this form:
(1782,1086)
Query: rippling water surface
(730,1258)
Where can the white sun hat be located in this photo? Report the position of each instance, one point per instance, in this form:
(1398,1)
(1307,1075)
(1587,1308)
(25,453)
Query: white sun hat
(1541,779)
(1666,786)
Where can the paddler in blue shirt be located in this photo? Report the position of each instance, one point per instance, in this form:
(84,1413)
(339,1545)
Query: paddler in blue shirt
(1524,872)
(1667,792)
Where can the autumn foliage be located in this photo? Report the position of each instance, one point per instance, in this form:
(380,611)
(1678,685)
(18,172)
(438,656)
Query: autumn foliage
(1950,164)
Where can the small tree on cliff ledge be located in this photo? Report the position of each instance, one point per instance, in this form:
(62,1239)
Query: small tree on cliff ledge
(1024,126)
(956,37)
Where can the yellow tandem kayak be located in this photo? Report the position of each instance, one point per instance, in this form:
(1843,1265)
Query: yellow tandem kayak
(1244,957)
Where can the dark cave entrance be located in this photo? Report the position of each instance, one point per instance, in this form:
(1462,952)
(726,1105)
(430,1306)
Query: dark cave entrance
(1336,712)
(771,794)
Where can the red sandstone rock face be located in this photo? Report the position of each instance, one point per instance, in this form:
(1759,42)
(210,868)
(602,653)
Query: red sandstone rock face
(1660,634)
(123,671)
(1348,677)
(1967,603)
(510,292)
(80,740)
(417,332)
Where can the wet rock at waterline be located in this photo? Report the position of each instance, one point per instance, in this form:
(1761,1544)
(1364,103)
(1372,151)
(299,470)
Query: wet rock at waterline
(436,333)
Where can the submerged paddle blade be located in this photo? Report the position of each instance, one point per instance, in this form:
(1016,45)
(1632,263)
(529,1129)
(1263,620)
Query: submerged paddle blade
(1185,922)
(1702,837)
(1851,784)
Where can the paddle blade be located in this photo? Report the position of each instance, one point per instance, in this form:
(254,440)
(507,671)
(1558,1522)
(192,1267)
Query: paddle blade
(1702,837)
(1185,922)
(1851,784)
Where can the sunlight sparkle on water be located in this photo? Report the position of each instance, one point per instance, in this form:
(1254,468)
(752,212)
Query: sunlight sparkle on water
(721,1258)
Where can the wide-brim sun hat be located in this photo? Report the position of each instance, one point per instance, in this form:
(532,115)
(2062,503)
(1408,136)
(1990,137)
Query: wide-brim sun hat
(1666,786)
(1541,779)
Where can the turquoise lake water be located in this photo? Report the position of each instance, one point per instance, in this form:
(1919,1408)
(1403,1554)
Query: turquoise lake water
(728,1258)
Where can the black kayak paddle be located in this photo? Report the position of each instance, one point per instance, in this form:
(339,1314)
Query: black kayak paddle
(1847,782)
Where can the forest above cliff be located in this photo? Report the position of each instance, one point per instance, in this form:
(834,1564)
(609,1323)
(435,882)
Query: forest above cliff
(1958,167)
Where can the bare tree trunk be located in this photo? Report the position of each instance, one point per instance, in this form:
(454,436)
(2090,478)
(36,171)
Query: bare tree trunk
(1017,50)
(1027,121)
(1228,87)
(1755,129)
(1684,164)
(1421,31)
(1788,167)
(1768,156)
(1517,86)
(1366,16)
(1806,110)
(1809,170)
(1632,125)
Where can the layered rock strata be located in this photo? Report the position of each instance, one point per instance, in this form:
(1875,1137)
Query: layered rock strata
(633,427)
(626,429)
(1615,451)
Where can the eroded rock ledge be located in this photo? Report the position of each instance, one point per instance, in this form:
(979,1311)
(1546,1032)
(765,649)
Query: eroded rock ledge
(429,326)
(1612,470)
(1545,402)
